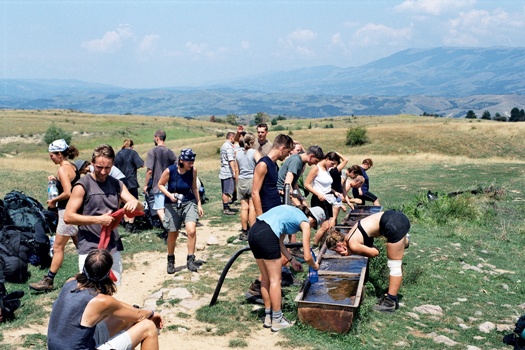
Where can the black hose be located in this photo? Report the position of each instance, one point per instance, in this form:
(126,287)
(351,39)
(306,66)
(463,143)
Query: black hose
(230,263)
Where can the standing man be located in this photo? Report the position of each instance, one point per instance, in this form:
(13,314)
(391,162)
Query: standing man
(228,173)
(262,144)
(264,189)
(293,167)
(159,158)
(93,199)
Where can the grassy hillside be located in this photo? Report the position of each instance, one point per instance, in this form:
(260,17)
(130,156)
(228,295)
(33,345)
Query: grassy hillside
(465,251)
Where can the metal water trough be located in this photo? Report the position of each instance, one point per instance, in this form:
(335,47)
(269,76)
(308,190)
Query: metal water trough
(330,304)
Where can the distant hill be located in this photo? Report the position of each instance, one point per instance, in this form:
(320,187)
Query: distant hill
(444,81)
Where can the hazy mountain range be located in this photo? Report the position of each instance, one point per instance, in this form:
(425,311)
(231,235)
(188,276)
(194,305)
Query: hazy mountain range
(444,81)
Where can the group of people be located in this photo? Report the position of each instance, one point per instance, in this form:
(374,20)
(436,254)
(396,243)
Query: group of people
(91,207)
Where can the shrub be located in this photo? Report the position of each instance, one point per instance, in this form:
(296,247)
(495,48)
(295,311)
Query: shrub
(55,133)
(356,136)
(278,128)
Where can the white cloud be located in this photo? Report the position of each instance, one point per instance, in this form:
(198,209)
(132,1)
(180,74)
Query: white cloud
(433,7)
(148,43)
(111,41)
(473,27)
(296,42)
(373,34)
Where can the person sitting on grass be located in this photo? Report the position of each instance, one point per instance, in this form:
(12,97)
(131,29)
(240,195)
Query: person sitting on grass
(266,240)
(394,226)
(86,316)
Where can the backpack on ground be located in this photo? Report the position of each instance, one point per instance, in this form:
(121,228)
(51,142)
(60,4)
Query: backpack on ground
(24,212)
(202,191)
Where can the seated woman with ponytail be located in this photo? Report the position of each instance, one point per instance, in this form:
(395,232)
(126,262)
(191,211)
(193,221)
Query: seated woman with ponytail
(86,316)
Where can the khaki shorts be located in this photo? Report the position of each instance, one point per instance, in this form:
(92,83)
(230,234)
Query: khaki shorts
(64,229)
(174,216)
(244,188)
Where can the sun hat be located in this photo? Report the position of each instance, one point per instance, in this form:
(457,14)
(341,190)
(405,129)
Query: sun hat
(58,146)
(319,215)
(187,154)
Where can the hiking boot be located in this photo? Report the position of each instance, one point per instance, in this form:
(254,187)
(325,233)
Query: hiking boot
(171,264)
(267,321)
(386,305)
(255,289)
(243,236)
(282,324)
(229,211)
(190,264)
(44,285)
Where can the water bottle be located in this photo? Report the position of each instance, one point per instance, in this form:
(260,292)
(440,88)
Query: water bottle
(52,190)
(51,242)
(313,275)
(287,194)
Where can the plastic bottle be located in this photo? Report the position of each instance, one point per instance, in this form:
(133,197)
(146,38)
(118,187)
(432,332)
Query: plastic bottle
(51,242)
(313,275)
(52,190)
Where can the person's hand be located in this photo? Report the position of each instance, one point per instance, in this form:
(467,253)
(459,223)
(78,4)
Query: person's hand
(199,210)
(106,219)
(316,266)
(321,197)
(240,129)
(296,265)
(157,319)
(51,203)
(145,189)
(51,177)
(131,206)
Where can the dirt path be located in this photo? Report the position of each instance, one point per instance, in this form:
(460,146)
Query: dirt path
(139,284)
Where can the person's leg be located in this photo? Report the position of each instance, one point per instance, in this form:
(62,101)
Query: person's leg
(394,252)
(171,241)
(265,283)
(46,283)
(191,232)
(144,333)
(245,209)
(158,205)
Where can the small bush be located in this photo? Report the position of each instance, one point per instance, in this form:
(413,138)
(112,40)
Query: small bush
(278,128)
(356,136)
(55,133)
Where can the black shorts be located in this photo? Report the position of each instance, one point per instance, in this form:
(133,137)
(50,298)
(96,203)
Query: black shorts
(327,207)
(394,225)
(263,241)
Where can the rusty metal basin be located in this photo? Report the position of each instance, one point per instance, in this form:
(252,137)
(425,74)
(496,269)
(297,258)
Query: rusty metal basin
(330,304)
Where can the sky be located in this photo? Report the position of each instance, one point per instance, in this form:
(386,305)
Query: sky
(152,44)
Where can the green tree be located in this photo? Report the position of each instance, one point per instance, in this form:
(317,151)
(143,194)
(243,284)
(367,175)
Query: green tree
(55,133)
(471,115)
(260,117)
(486,115)
(232,119)
(514,115)
(499,118)
(356,136)
(274,121)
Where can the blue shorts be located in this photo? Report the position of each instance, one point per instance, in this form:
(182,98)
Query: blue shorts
(228,186)
(159,201)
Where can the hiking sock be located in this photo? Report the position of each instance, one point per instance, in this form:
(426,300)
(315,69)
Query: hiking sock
(267,311)
(225,206)
(392,297)
(277,315)
(51,274)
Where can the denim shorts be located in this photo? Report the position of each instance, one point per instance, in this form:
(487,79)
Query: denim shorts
(159,201)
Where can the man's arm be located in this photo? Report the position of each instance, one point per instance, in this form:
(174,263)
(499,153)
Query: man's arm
(148,177)
(72,217)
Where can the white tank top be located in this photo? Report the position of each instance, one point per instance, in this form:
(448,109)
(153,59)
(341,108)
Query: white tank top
(323,181)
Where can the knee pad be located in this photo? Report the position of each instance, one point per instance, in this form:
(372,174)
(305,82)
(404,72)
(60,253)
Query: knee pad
(395,267)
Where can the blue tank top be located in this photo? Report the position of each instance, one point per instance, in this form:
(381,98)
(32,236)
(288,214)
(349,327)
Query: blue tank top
(64,330)
(269,194)
(181,184)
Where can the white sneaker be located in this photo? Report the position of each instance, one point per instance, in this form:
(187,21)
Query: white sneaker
(282,324)
(267,321)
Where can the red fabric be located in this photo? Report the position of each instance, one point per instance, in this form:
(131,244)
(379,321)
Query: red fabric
(105,234)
